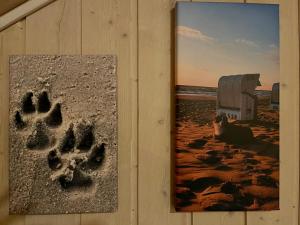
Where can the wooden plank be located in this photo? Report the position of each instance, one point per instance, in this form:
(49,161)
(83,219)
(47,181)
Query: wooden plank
(232,1)
(110,27)
(22,11)
(55,29)
(12,41)
(264,1)
(289,111)
(6,6)
(154,195)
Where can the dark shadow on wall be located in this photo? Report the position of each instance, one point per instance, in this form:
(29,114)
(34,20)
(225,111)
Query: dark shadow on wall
(6,6)
(172,107)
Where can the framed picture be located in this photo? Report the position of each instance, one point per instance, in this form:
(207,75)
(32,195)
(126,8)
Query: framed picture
(227,107)
(63,134)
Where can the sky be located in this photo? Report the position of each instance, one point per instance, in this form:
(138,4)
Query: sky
(216,39)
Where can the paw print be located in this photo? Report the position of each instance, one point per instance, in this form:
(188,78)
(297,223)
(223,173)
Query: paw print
(71,158)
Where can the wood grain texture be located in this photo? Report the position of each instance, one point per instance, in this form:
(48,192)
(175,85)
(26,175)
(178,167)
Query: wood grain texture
(55,29)
(6,6)
(138,32)
(264,1)
(110,27)
(21,12)
(154,197)
(12,42)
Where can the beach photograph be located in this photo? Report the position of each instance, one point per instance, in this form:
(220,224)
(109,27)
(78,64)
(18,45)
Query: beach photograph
(226,107)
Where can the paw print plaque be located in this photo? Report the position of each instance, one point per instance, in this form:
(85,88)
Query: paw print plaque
(63,134)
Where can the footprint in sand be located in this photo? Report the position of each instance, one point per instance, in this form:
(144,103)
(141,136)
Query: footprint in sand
(72,156)
(199,143)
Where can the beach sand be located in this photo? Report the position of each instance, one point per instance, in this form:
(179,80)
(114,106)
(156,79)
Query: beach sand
(212,175)
(55,163)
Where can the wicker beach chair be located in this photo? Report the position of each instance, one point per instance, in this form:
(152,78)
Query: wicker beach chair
(236,96)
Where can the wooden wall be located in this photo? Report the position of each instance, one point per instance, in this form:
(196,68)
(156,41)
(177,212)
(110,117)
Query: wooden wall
(138,32)
(7,5)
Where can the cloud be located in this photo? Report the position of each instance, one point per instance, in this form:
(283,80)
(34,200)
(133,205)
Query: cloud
(273,54)
(246,42)
(273,46)
(194,34)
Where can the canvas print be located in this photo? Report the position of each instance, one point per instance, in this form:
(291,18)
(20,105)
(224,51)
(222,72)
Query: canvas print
(227,107)
(63,134)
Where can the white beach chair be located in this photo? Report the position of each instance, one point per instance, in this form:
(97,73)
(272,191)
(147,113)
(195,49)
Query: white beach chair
(275,97)
(236,96)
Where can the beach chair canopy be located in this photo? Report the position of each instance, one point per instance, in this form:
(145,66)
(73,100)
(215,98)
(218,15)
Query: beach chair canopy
(231,88)
(275,93)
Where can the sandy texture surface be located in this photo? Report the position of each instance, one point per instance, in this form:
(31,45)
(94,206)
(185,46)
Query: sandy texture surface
(63,134)
(213,175)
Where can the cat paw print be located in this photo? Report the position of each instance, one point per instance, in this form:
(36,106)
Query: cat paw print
(74,156)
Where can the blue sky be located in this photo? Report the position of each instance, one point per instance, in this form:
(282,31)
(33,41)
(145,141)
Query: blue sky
(216,39)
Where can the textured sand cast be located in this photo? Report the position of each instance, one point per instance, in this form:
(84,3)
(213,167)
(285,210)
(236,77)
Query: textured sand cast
(63,134)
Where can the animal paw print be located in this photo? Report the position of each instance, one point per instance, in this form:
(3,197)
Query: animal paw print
(75,156)
(42,117)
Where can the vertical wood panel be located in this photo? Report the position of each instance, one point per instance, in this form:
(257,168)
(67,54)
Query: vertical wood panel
(154,197)
(110,27)
(289,120)
(11,42)
(216,218)
(55,29)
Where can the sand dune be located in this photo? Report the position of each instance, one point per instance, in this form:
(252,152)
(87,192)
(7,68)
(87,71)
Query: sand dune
(214,175)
